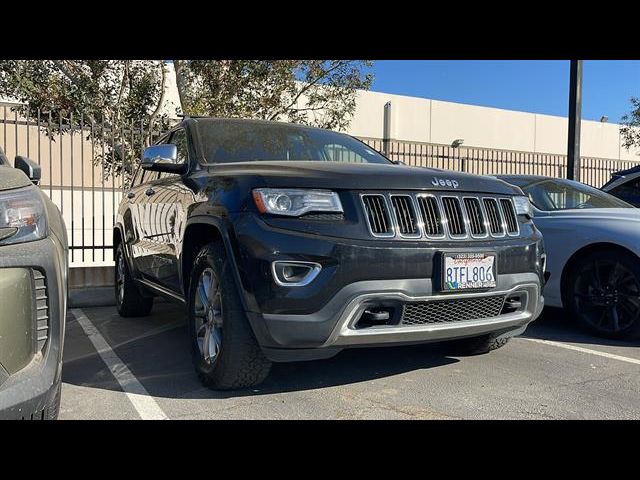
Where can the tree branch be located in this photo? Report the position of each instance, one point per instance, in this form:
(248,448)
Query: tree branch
(304,89)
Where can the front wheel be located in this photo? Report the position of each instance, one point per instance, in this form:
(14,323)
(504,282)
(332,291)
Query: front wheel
(225,352)
(603,294)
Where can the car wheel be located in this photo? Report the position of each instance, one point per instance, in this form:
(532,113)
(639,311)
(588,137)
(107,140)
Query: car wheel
(129,300)
(477,345)
(603,294)
(225,352)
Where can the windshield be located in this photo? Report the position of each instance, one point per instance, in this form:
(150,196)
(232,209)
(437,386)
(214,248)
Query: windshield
(226,141)
(560,194)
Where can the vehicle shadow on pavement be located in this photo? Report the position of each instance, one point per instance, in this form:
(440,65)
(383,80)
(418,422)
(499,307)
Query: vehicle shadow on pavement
(160,359)
(555,324)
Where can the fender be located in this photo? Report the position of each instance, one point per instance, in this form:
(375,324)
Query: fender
(220,225)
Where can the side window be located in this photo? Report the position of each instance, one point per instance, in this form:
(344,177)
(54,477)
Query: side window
(179,139)
(630,188)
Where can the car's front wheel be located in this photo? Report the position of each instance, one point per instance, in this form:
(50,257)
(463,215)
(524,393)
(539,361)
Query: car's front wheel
(129,301)
(225,352)
(603,294)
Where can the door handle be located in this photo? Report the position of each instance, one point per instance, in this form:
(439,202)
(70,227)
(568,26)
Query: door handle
(130,195)
(150,191)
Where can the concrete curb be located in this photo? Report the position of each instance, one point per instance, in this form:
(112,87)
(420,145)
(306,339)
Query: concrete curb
(91,297)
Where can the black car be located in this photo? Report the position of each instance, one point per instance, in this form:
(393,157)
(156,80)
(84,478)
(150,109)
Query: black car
(625,185)
(289,243)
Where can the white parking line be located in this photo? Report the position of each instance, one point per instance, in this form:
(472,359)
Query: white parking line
(145,404)
(612,356)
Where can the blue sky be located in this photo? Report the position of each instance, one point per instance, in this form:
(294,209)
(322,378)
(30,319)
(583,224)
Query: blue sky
(538,86)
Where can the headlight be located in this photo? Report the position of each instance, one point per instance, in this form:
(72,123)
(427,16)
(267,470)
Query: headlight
(22,216)
(523,206)
(295,202)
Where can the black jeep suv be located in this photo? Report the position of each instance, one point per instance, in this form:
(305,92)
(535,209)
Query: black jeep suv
(288,243)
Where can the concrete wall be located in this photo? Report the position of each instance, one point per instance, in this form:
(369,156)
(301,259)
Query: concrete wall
(433,121)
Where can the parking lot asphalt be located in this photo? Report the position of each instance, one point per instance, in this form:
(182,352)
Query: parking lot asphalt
(117,368)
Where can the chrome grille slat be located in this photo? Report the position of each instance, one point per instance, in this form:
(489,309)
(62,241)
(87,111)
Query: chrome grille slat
(453,215)
(493,213)
(378,215)
(509,212)
(476,218)
(406,216)
(430,215)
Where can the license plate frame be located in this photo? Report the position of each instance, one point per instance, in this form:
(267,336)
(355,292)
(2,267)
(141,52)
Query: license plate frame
(468,286)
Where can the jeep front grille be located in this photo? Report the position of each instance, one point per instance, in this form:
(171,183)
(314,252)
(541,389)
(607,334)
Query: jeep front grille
(446,216)
(451,310)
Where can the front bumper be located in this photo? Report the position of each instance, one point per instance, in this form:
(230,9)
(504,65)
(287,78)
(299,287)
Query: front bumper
(319,319)
(27,389)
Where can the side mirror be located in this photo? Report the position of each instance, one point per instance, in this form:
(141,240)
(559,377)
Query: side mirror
(29,167)
(162,158)
(399,162)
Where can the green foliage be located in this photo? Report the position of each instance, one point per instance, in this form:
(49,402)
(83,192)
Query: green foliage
(119,98)
(313,92)
(122,99)
(630,129)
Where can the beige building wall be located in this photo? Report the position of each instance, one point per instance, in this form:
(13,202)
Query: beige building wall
(433,121)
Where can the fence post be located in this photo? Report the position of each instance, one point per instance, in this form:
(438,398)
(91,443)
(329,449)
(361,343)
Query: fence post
(386,129)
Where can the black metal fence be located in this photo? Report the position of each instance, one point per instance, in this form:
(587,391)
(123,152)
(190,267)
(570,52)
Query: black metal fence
(488,161)
(83,169)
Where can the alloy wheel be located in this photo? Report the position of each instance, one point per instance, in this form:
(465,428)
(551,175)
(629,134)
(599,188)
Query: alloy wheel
(607,295)
(208,316)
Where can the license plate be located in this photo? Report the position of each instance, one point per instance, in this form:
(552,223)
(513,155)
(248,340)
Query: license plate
(468,271)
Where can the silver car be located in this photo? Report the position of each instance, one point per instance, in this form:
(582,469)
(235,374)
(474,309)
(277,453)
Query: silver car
(592,241)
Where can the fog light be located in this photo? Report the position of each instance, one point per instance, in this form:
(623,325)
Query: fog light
(294,273)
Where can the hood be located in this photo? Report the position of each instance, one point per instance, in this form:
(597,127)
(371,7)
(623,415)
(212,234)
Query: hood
(361,176)
(11,178)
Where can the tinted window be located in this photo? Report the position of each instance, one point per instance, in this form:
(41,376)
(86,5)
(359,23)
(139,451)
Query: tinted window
(225,141)
(630,188)
(179,139)
(559,194)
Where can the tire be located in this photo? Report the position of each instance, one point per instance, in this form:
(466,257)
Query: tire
(215,314)
(52,410)
(478,345)
(129,301)
(602,294)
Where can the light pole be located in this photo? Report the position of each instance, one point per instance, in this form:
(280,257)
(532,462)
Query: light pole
(575,113)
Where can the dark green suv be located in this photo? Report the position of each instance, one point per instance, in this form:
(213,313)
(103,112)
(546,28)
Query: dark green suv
(33,294)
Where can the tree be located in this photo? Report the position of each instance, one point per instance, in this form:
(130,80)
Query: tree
(125,97)
(121,99)
(313,92)
(630,129)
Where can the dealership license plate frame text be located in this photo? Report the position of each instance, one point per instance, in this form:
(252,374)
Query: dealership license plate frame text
(458,266)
